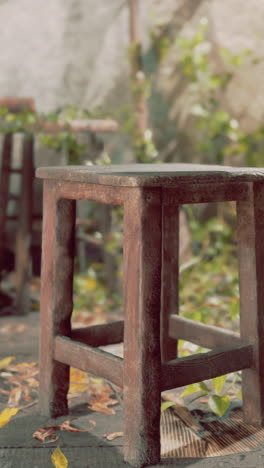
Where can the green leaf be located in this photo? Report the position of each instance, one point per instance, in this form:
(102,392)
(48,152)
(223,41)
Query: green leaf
(218,383)
(165,405)
(219,405)
(204,387)
(190,389)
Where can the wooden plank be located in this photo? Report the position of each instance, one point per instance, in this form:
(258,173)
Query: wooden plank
(191,369)
(172,175)
(142,282)
(78,126)
(16,105)
(89,359)
(100,335)
(23,262)
(251,274)
(204,335)
(56,297)
(208,193)
(92,192)
(170,276)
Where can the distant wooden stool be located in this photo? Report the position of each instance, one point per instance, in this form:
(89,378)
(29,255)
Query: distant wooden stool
(151,195)
(24,199)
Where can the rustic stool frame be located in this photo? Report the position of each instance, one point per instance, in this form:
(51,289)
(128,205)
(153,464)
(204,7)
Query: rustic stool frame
(152,324)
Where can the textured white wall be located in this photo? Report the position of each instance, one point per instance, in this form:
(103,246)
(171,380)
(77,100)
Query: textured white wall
(74,51)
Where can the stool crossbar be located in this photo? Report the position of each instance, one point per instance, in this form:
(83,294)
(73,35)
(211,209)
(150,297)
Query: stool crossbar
(151,196)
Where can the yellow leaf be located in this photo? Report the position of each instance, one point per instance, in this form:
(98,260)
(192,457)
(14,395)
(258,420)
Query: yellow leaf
(91,284)
(58,459)
(6,415)
(78,381)
(6,361)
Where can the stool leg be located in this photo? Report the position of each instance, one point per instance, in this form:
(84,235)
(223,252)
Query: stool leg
(23,265)
(142,366)
(56,297)
(251,273)
(170,276)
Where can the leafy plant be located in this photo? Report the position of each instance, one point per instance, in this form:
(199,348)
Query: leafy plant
(216,391)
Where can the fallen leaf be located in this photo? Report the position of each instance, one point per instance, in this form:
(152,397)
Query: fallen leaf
(47,434)
(66,426)
(6,361)
(6,415)
(114,435)
(58,459)
(101,408)
(15,396)
(79,381)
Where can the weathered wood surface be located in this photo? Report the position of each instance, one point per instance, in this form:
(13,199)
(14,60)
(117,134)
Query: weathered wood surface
(89,359)
(251,273)
(100,335)
(170,277)
(56,297)
(92,192)
(207,193)
(142,279)
(191,369)
(152,175)
(204,335)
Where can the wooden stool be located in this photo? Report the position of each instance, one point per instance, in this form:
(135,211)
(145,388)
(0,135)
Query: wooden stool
(151,195)
(24,201)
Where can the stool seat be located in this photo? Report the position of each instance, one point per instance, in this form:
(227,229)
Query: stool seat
(151,175)
(151,196)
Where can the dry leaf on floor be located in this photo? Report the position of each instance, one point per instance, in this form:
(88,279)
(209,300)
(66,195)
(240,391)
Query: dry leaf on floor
(79,381)
(58,459)
(6,415)
(15,396)
(101,408)
(47,434)
(114,435)
(4,363)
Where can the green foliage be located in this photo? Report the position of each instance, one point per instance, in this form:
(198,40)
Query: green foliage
(219,135)
(91,292)
(209,280)
(216,392)
(165,405)
(16,123)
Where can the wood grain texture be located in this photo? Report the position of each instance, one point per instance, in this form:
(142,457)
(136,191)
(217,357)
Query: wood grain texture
(152,175)
(92,192)
(56,297)
(100,335)
(169,275)
(251,277)
(204,335)
(207,193)
(191,369)
(142,280)
(89,359)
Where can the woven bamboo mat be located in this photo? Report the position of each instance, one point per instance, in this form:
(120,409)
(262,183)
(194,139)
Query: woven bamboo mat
(211,437)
